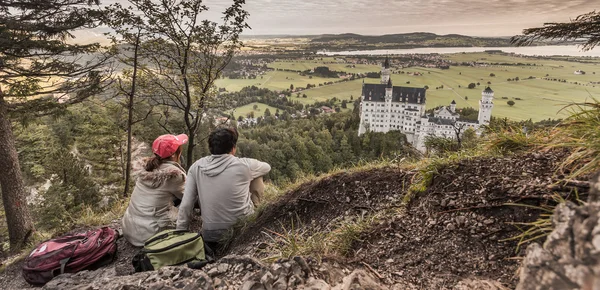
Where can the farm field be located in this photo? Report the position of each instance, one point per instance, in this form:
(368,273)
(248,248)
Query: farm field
(540,99)
(334,65)
(274,80)
(247,109)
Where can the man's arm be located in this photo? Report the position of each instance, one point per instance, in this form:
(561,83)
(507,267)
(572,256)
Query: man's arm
(257,168)
(190,196)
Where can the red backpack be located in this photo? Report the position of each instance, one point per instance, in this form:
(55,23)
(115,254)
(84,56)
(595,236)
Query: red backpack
(70,254)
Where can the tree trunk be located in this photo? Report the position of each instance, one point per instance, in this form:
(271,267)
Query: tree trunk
(130,116)
(18,219)
(189,160)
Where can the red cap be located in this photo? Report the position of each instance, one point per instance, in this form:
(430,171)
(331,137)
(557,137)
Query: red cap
(166,145)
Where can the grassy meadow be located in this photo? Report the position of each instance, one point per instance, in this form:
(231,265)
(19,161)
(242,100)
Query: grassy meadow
(540,99)
(330,62)
(259,112)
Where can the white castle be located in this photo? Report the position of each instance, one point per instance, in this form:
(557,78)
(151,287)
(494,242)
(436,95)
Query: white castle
(385,108)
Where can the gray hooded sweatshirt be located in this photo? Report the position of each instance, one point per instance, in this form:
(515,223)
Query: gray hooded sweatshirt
(221,184)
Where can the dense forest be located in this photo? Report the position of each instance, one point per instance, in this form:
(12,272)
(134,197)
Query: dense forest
(77,160)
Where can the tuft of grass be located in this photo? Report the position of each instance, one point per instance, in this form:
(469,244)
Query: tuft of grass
(349,231)
(513,139)
(290,242)
(580,132)
(338,241)
(428,168)
(91,217)
(540,228)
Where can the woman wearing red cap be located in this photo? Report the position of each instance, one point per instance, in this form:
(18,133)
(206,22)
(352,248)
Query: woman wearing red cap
(159,180)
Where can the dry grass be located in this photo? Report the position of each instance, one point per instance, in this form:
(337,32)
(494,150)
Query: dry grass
(513,139)
(540,228)
(337,241)
(581,134)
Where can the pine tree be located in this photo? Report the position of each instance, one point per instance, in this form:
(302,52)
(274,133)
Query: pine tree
(584,27)
(41,72)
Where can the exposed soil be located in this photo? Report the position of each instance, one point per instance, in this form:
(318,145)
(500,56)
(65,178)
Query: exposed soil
(455,229)
(449,233)
(312,207)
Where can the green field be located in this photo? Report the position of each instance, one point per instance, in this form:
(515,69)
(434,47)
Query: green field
(333,64)
(541,99)
(259,112)
(274,80)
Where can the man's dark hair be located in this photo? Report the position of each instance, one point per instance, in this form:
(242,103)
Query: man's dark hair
(222,140)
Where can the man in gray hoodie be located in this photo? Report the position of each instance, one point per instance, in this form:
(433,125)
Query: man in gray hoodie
(226,187)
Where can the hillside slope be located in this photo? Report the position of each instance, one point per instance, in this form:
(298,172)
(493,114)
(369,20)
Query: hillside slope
(450,232)
(356,231)
(405,40)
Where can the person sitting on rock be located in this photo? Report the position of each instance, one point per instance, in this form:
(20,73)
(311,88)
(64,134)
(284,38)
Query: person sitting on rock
(227,188)
(159,180)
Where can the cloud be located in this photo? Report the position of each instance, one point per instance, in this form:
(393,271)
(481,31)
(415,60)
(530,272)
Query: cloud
(475,17)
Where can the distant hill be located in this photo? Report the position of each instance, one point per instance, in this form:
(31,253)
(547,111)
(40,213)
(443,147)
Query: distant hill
(405,40)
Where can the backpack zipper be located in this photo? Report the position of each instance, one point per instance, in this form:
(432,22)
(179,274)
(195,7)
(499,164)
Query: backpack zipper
(172,246)
(164,236)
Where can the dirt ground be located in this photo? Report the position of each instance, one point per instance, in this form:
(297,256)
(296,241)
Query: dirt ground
(312,207)
(449,233)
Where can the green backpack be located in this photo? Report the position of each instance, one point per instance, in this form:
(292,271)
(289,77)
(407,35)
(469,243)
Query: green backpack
(170,248)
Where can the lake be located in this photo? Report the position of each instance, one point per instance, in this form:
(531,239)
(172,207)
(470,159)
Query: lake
(567,50)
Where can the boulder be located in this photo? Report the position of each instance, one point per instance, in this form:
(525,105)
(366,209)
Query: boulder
(231,272)
(570,257)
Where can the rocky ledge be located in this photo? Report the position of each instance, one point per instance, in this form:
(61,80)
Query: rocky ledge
(570,257)
(231,272)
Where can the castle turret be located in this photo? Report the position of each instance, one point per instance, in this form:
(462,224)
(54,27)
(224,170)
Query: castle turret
(453,106)
(486,104)
(385,71)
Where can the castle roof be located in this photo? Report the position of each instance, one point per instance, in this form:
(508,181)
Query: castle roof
(376,93)
(386,63)
(441,121)
(445,108)
(488,90)
(468,121)
(389,84)
(453,102)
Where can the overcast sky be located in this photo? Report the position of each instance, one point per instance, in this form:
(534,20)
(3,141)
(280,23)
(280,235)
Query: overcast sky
(375,17)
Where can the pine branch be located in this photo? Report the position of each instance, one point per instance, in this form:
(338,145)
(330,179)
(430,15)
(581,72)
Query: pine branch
(585,27)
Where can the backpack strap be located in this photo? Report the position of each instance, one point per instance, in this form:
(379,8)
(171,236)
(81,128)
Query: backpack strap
(63,262)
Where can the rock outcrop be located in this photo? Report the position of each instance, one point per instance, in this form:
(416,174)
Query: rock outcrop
(570,257)
(231,272)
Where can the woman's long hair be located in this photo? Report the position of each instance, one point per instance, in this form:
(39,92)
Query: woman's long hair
(155,162)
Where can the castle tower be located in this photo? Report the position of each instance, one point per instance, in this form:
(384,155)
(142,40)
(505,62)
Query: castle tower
(361,127)
(485,106)
(389,89)
(453,106)
(385,71)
